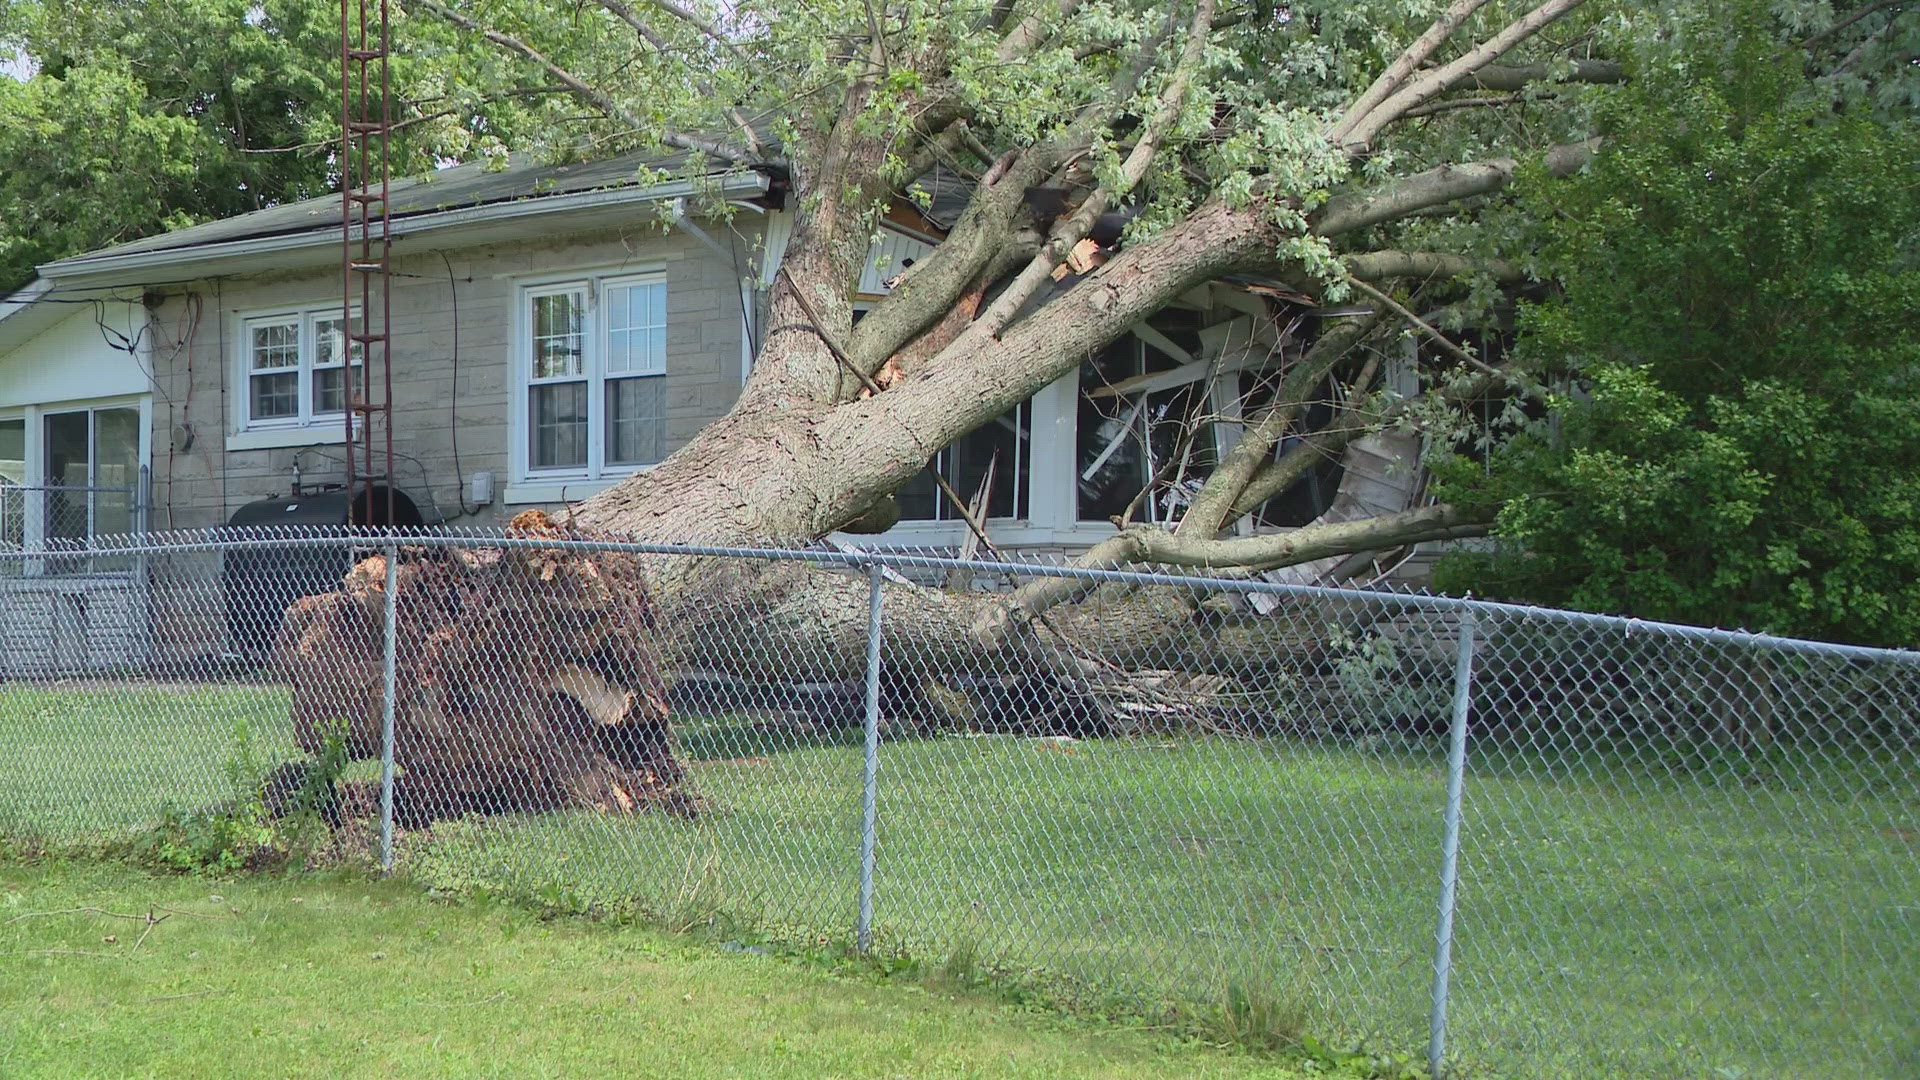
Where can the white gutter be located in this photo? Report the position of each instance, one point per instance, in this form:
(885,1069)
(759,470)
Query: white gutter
(134,263)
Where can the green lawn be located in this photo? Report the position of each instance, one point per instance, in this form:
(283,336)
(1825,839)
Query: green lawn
(1613,921)
(332,977)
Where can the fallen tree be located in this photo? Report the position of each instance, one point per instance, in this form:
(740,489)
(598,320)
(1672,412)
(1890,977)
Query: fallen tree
(1196,128)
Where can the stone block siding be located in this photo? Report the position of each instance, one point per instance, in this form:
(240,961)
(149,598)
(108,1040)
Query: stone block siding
(198,372)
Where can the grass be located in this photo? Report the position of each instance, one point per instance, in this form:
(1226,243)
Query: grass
(329,976)
(1626,919)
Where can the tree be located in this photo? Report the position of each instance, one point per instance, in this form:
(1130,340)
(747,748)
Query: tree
(1734,275)
(1344,146)
(149,115)
(1260,139)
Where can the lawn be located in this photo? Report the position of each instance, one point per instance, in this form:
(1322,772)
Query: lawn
(333,977)
(1626,919)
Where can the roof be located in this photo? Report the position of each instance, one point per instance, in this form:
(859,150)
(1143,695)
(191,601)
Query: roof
(461,195)
(452,188)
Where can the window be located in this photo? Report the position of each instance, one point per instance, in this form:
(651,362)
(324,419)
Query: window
(13,481)
(1002,446)
(593,355)
(296,367)
(68,474)
(92,470)
(1134,439)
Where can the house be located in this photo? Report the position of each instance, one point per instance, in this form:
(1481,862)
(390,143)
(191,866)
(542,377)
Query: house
(76,416)
(554,328)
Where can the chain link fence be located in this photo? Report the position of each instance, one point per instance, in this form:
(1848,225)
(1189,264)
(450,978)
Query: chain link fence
(49,521)
(1518,841)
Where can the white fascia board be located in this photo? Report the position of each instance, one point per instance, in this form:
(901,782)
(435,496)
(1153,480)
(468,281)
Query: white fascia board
(19,309)
(136,266)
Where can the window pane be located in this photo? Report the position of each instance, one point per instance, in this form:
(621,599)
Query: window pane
(13,475)
(1129,441)
(1002,444)
(559,336)
(559,425)
(116,469)
(636,420)
(66,475)
(330,388)
(637,329)
(1111,460)
(13,450)
(276,345)
(275,397)
(330,342)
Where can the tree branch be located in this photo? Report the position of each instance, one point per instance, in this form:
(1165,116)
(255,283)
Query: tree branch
(1426,265)
(398,125)
(593,95)
(1031,31)
(1520,76)
(1146,545)
(1276,477)
(1813,39)
(1436,187)
(692,18)
(1074,228)
(1208,513)
(935,284)
(1360,134)
(640,26)
(1434,108)
(1439,338)
(988,227)
(664,49)
(1403,66)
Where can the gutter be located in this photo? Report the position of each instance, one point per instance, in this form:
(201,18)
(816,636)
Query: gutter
(133,265)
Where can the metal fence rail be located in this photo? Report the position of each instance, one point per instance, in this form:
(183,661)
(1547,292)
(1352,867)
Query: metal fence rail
(1533,841)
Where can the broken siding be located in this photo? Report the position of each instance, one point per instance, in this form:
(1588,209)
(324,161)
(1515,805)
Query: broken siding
(891,253)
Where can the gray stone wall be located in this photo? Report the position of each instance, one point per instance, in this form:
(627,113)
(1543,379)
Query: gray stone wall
(202,481)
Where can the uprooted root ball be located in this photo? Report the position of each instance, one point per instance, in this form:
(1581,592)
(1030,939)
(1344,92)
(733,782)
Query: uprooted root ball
(527,679)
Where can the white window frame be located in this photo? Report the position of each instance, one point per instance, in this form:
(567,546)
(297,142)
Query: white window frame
(596,353)
(306,319)
(34,417)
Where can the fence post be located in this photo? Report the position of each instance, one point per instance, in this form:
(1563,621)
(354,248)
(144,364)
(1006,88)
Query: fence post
(863,932)
(386,698)
(1450,846)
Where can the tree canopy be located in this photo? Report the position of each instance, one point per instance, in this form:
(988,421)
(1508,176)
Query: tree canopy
(1732,324)
(135,117)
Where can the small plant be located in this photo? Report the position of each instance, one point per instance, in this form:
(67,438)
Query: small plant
(309,815)
(245,833)
(1374,680)
(1374,1066)
(962,967)
(1255,1019)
